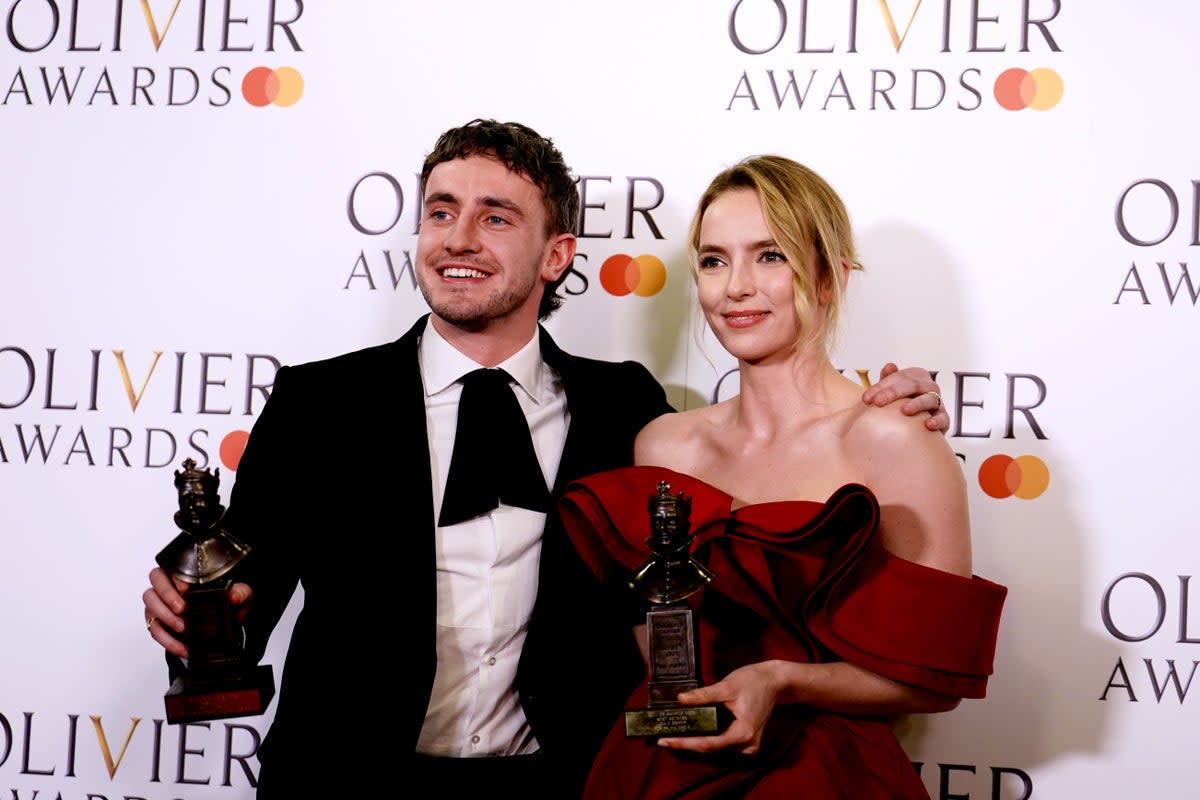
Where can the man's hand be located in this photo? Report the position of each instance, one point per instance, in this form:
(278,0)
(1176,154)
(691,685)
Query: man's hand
(164,604)
(918,386)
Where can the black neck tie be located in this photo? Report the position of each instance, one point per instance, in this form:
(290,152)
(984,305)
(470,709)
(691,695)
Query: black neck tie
(493,460)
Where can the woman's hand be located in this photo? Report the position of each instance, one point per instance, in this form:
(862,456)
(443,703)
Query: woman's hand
(749,694)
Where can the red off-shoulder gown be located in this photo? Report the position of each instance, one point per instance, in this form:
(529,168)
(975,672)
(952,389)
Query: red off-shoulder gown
(797,580)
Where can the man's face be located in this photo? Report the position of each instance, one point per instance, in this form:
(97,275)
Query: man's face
(483,254)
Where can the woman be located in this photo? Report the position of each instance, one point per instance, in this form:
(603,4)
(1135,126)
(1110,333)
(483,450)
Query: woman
(837,532)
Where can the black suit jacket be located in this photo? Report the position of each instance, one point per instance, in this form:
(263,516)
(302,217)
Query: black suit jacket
(333,492)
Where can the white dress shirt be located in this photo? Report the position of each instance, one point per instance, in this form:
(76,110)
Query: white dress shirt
(487,567)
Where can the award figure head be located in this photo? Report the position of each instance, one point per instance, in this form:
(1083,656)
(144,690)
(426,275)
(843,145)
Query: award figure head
(671,574)
(670,521)
(203,551)
(199,504)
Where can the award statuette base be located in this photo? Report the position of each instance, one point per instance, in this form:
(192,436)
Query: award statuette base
(194,701)
(674,721)
(672,670)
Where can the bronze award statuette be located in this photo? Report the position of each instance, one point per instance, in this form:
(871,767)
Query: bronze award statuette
(665,580)
(217,682)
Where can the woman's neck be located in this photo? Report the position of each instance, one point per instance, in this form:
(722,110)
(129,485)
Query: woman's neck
(777,395)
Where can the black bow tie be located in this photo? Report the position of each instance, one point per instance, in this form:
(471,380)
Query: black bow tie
(493,460)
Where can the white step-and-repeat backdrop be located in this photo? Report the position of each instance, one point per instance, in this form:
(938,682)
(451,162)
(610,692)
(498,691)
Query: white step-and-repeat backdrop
(196,192)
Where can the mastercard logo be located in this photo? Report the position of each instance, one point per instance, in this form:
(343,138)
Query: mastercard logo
(1003,476)
(644,275)
(263,86)
(1039,89)
(232,447)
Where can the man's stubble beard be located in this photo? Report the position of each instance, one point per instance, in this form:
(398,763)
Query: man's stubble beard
(475,315)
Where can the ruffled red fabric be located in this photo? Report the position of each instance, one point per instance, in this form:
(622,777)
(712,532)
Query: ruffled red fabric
(795,580)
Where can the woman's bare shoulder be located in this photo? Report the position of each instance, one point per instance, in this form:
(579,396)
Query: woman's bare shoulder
(674,438)
(878,440)
(888,428)
(920,485)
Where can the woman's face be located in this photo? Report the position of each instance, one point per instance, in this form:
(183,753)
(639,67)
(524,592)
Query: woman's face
(744,280)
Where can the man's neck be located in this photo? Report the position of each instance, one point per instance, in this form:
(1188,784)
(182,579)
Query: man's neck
(495,342)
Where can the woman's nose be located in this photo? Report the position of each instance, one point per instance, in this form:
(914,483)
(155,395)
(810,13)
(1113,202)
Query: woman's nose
(741,281)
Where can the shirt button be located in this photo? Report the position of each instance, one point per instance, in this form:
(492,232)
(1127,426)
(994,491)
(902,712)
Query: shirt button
(492,661)
(475,739)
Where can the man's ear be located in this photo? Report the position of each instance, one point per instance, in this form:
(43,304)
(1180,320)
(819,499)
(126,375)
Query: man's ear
(560,253)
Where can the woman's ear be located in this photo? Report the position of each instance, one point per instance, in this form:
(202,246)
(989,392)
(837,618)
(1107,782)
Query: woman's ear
(842,275)
(844,272)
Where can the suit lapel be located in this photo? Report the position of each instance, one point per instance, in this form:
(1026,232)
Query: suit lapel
(573,463)
(409,411)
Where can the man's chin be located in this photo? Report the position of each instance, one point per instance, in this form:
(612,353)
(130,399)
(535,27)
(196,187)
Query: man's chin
(468,317)
(470,312)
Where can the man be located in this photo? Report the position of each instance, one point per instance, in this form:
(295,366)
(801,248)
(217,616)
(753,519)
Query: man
(475,654)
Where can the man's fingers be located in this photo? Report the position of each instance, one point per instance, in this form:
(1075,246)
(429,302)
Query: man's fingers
(240,594)
(169,642)
(939,421)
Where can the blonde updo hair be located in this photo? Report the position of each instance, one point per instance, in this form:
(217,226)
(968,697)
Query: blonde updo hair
(801,210)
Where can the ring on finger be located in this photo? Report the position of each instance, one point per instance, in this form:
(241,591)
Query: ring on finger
(150,622)
(938,397)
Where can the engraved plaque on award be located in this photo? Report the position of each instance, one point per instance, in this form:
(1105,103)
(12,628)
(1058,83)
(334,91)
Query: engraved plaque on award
(670,576)
(218,681)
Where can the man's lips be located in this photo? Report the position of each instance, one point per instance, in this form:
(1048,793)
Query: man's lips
(461,272)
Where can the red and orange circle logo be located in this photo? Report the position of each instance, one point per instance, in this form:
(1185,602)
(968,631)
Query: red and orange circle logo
(1039,89)
(644,275)
(263,86)
(1003,476)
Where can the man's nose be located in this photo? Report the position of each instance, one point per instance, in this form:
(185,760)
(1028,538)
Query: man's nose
(461,238)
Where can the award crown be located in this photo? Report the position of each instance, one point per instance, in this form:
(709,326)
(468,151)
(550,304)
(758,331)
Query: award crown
(665,504)
(203,480)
